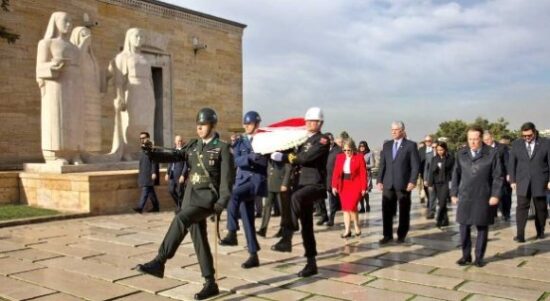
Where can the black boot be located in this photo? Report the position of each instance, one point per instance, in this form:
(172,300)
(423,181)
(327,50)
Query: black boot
(210,289)
(230,239)
(310,269)
(154,267)
(282,245)
(251,262)
(322,220)
(261,232)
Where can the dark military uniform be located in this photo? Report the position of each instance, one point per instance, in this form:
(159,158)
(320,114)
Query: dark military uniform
(202,192)
(311,159)
(278,175)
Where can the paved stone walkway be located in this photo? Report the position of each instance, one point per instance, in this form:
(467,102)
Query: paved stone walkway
(91,258)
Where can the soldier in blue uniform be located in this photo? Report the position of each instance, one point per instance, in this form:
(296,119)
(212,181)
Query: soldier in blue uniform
(250,182)
(310,160)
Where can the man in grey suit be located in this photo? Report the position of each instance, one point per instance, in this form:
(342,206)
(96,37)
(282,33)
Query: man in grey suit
(397,175)
(476,187)
(426,153)
(529,169)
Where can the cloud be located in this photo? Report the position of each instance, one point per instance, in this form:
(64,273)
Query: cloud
(370,62)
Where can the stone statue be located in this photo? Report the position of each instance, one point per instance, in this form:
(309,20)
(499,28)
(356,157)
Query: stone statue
(59,78)
(135,101)
(91,79)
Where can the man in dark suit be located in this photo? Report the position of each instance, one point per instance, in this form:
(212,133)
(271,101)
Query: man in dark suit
(311,159)
(397,175)
(505,203)
(175,176)
(278,175)
(476,187)
(334,200)
(147,179)
(529,169)
(426,153)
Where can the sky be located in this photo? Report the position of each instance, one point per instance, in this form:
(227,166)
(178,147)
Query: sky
(369,62)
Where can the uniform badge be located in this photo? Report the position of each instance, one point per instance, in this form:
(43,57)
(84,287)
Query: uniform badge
(195,178)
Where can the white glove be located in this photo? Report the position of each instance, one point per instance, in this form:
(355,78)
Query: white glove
(277,156)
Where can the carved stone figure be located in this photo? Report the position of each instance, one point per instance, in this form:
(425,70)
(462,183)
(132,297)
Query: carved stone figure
(135,102)
(91,79)
(59,78)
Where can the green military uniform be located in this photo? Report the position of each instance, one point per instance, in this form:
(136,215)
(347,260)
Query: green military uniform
(202,193)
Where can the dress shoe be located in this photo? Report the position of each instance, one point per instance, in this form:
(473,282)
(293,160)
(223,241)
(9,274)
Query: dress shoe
(258,215)
(138,210)
(348,235)
(464,261)
(230,239)
(367,209)
(330,223)
(506,218)
(261,232)
(309,270)
(322,221)
(422,200)
(210,289)
(540,236)
(519,239)
(153,210)
(279,233)
(251,262)
(444,223)
(401,240)
(282,246)
(153,267)
(430,216)
(385,240)
(479,263)
(358,234)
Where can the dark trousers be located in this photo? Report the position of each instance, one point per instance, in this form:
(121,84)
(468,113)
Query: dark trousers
(258,205)
(364,203)
(302,201)
(322,208)
(176,191)
(390,199)
(432,199)
(505,204)
(189,219)
(522,212)
(242,204)
(146,193)
(286,212)
(466,241)
(272,199)
(441,192)
(334,203)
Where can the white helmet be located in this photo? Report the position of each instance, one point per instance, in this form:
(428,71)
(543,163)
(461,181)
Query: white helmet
(314,113)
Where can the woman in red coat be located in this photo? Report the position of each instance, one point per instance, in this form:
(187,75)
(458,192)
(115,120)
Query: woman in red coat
(349,180)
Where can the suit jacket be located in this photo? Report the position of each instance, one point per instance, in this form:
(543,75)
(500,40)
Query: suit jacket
(175,170)
(474,181)
(358,172)
(443,174)
(530,173)
(278,175)
(251,167)
(425,160)
(403,170)
(334,151)
(311,157)
(147,168)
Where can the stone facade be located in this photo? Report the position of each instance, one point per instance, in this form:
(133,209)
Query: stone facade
(191,79)
(9,188)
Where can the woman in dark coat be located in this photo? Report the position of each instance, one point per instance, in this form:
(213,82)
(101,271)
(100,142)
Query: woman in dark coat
(439,176)
(476,187)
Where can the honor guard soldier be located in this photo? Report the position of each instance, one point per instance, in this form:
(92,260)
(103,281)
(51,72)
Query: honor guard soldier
(311,159)
(250,182)
(210,179)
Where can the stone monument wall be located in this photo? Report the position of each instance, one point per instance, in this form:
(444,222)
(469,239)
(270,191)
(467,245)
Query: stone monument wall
(191,79)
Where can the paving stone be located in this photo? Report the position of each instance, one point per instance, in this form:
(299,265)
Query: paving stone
(187,292)
(485,298)
(58,297)
(109,248)
(10,266)
(522,272)
(33,255)
(125,240)
(503,280)
(75,284)
(6,246)
(237,297)
(322,298)
(424,279)
(438,293)
(90,268)
(66,250)
(19,290)
(141,296)
(346,267)
(185,275)
(243,287)
(151,284)
(341,290)
(502,291)
(422,298)
(401,257)
(333,275)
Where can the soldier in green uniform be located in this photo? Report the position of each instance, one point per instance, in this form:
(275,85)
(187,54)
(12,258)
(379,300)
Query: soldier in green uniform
(208,192)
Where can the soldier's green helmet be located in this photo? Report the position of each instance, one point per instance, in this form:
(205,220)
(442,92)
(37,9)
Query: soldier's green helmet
(207,116)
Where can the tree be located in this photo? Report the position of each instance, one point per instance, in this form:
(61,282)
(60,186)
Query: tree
(5,33)
(455,131)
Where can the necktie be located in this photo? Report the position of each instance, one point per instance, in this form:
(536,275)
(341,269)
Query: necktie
(529,150)
(394,151)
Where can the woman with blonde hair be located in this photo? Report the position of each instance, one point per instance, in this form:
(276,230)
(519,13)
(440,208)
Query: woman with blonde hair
(349,180)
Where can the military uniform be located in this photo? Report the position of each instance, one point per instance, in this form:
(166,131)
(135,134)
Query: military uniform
(202,193)
(278,175)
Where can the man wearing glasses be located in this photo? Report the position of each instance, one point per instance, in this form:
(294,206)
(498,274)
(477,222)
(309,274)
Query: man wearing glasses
(530,178)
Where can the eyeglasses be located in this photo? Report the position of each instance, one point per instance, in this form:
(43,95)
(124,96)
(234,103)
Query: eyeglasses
(142,138)
(346,150)
(528,136)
